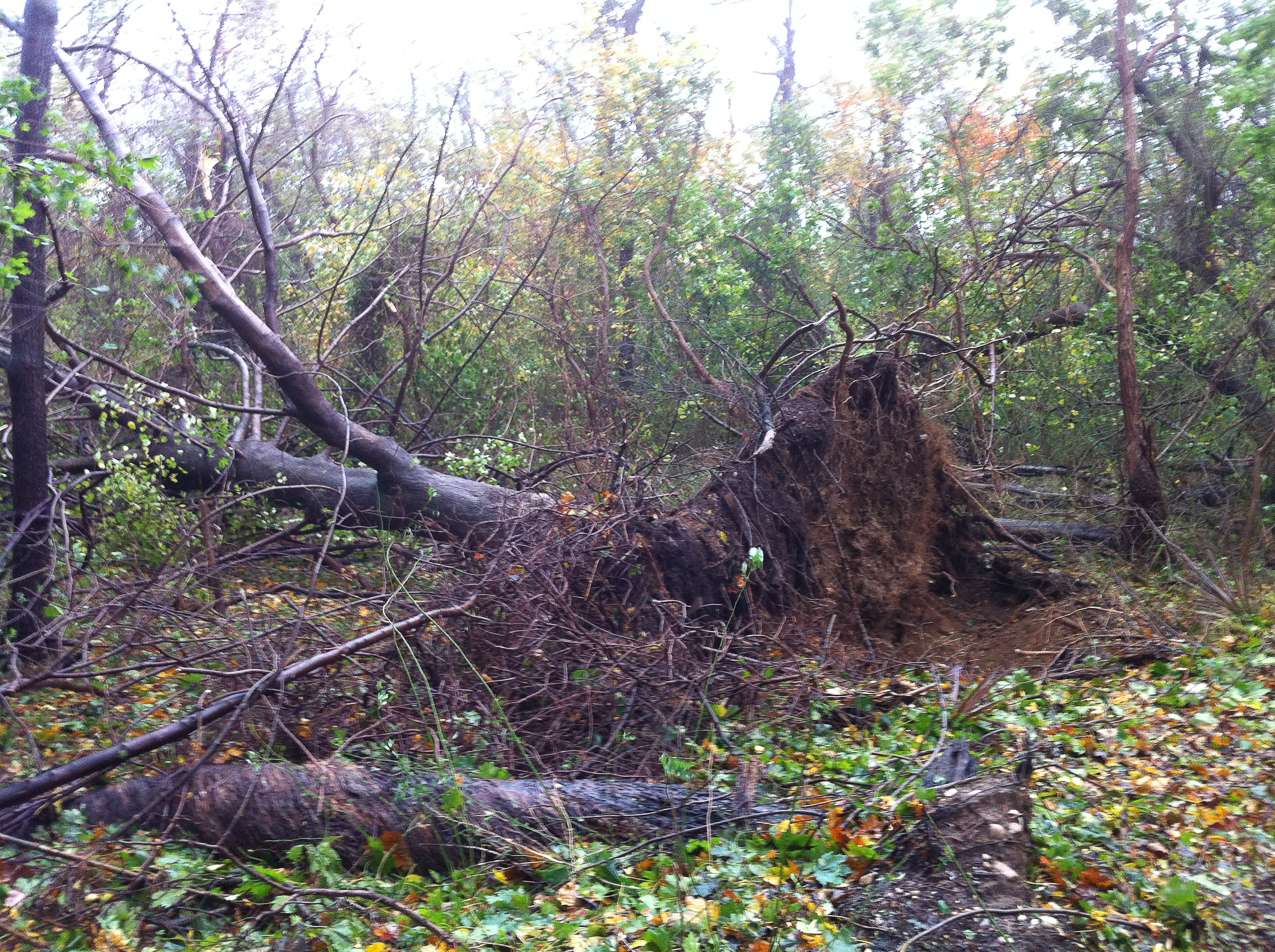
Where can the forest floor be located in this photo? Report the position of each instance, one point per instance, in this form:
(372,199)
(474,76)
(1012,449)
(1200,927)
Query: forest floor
(1153,794)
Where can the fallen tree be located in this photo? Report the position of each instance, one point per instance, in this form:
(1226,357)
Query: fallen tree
(855,505)
(968,855)
(430,821)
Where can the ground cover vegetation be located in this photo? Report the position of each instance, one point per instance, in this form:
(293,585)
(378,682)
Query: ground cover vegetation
(520,515)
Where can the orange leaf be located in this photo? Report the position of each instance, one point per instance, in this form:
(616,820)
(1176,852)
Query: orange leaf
(1093,876)
(394,844)
(871,824)
(387,932)
(1047,865)
(836,826)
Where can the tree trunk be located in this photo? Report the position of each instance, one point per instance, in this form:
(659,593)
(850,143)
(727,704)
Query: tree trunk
(33,554)
(1147,510)
(438,824)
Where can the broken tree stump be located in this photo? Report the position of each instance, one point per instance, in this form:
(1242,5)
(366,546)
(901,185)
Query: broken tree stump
(963,874)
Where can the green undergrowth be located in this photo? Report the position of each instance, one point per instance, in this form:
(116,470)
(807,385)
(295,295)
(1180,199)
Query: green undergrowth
(1152,791)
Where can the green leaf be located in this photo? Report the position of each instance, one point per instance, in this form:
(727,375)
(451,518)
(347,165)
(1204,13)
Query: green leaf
(454,800)
(1179,894)
(831,869)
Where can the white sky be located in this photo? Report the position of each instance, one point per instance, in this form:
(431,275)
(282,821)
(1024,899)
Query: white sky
(437,40)
(734,35)
(442,39)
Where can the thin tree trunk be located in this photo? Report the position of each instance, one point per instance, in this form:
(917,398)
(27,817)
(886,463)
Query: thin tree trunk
(33,555)
(1145,497)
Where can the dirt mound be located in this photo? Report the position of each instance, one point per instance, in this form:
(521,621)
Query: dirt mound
(853,506)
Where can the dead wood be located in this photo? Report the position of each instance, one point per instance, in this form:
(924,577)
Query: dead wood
(426,820)
(1039,530)
(1018,489)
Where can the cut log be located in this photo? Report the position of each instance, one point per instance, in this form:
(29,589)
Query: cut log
(970,852)
(955,763)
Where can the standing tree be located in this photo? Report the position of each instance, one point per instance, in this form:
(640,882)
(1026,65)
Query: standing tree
(1147,501)
(32,554)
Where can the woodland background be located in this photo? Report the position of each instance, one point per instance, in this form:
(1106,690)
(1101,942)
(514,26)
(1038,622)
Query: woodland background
(569,287)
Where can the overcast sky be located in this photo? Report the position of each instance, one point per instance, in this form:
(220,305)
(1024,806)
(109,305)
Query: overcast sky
(442,39)
(734,35)
(390,41)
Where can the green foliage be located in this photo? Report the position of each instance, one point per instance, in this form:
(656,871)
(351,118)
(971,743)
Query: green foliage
(485,460)
(138,524)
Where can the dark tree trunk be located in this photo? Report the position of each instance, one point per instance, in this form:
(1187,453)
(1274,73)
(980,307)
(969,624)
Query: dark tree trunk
(1147,501)
(33,554)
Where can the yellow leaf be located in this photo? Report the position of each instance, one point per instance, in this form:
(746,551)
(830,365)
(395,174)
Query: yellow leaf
(569,895)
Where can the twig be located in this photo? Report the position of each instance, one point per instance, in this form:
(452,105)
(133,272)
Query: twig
(370,895)
(843,320)
(1255,497)
(63,854)
(1001,530)
(23,937)
(721,731)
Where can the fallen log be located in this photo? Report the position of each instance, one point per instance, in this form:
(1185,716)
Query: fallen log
(1038,530)
(1019,489)
(970,851)
(1034,471)
(429,821)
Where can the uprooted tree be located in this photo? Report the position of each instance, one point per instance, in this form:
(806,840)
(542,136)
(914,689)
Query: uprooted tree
(839,506)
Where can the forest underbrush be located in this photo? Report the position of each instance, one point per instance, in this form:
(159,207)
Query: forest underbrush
(1141,707)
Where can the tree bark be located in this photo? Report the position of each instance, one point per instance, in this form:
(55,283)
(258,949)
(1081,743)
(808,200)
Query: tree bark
(1147,501)
(439,824)
(33,554)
